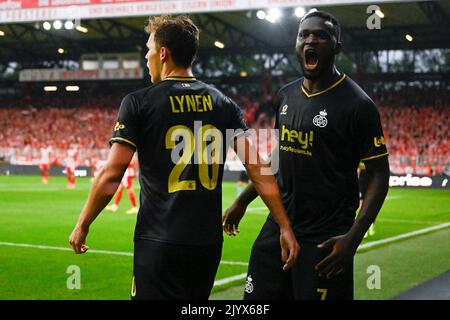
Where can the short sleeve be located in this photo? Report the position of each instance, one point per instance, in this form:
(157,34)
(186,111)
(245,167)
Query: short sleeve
(126,128)
(237,121)
(369,133)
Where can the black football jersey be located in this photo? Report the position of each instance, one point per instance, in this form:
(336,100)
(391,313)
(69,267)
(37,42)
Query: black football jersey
(172,124)
(322,138)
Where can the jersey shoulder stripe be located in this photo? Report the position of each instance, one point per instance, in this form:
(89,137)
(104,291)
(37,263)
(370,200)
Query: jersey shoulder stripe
(376,156)
(123,140)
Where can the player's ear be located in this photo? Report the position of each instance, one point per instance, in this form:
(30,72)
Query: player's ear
(164,54)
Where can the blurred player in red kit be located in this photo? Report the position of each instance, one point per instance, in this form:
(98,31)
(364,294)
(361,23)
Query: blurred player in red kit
(127,182)
(71,164)
(96,164)
(44,163)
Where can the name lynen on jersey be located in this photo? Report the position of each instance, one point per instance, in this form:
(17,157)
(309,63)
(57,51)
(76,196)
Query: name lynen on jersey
(191,103)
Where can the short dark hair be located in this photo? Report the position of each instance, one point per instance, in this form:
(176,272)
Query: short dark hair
(179,34)
(327,17)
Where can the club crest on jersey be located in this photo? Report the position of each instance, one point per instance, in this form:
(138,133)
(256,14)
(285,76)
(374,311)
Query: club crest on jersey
(249,285)
(320,120)
(284,109)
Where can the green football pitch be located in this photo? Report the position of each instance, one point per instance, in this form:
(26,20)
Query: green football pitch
(410,245)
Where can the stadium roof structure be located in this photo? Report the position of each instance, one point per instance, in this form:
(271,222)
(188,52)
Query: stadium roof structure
(428,22)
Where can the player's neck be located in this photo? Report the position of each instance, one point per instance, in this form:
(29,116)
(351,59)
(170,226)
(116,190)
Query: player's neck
(325,81)
(174,71)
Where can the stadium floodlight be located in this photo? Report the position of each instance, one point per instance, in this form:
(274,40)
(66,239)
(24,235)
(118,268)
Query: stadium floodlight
(273,15)
(299,12)
(261,14)
(57,24)
(243,74)
(50,88)
(60,50)
(2,33)
(379,13)
(219,44)
(68,25)
(82,29)
(409,37)
(47,25)
(72,88)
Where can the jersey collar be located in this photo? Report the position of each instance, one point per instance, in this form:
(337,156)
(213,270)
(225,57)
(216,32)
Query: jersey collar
(180,78)
(309,95)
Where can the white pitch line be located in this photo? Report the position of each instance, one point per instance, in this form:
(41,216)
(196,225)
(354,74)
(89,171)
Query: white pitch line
(26,245)
(235,263)
(43,189)
(392,197)
(230,279)
(242,275)
(258,209)
(130,254)
(407,221)
(364,246)
(404,236)
(117,253)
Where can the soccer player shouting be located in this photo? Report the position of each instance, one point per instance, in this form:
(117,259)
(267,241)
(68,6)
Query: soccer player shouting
(178,236)
(327,125)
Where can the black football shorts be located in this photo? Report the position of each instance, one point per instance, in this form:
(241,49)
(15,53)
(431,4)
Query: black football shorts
(266,279)
(164,271)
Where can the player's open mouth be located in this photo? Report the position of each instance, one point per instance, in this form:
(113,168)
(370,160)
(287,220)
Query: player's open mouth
(311,60)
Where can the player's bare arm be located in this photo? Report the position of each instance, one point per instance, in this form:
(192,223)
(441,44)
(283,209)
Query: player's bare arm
(233,215)
(103,189)
(344,246)
(266,186)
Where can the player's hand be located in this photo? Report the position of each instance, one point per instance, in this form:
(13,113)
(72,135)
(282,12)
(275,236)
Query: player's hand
(343,250)
(289,248)
(78,239)
(231,218)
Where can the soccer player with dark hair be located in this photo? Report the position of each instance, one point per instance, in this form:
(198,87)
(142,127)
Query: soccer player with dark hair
(327,125)
(177,127)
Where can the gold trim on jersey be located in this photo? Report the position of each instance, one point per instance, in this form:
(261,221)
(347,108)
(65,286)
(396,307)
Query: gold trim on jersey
(377,156)
(309,95)
(127,141)
(180,78)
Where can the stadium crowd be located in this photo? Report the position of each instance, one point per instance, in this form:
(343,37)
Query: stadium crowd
(59,123)
(416,124)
